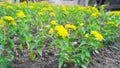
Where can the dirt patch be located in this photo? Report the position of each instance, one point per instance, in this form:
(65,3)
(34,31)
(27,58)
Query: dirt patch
(109,57)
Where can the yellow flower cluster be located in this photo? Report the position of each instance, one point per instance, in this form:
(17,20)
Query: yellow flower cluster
(8,18)
(23,3)
(61,31)
(53,22)
(82,24)
(20,14)
(13,22)
(81,8)
(1,21)
(50,8)
(102,6)
(9,7)
(40,13)
(44,9)
(52,14)
(95,14)
(94,9)
(113,23)
(117,13)
(70,26)
(97,35)
(1,4)
(86,35)
(31,7)
(64,9)
(51,31)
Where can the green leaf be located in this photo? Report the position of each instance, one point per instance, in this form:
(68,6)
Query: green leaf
(82,57)
(21,47)
(69,49)
(39,49)
(83,43)
(60,62)
(96,51)
(1,46)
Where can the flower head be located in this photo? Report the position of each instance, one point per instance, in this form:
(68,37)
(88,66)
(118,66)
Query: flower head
(51,31)
(1,4)
(61,31)
(8,18)
(82,24)
(70,26)
(113,23)
(52,14)
(1,22)
(116,13)
(13,23)
(50,8)
(53,22)
(44,9)
(97,35)
(40,13)
(20,14)
(95,14)
(86,35)
(10,7)
(31,7)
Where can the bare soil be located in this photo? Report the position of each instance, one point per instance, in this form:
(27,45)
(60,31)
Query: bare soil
(109,57)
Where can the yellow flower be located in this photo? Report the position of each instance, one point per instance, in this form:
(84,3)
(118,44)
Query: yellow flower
(86,35)
(8,18)
(70,26)
(44,9)
(102,6)
(61,31)
(66,12)
(98,36)
(10,7)
(31,7)
(95,14)
(82,24)
(95,9)
(13,23)
(52,14)
(20,14)
(50,8)
(53,22)
(1,20)
(23,3)
(113,23)
(51,31)
(116,25)
(64,9)
(1,4)
(117,13)
(1,23)
(39,13)
(81,8)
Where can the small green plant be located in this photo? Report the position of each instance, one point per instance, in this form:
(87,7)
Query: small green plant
(4,63)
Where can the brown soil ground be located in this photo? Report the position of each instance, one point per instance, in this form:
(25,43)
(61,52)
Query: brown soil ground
(109,57)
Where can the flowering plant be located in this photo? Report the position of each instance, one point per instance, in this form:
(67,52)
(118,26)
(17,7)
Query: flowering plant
(76,31)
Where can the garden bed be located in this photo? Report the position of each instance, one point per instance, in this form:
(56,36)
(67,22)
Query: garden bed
(53,36)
